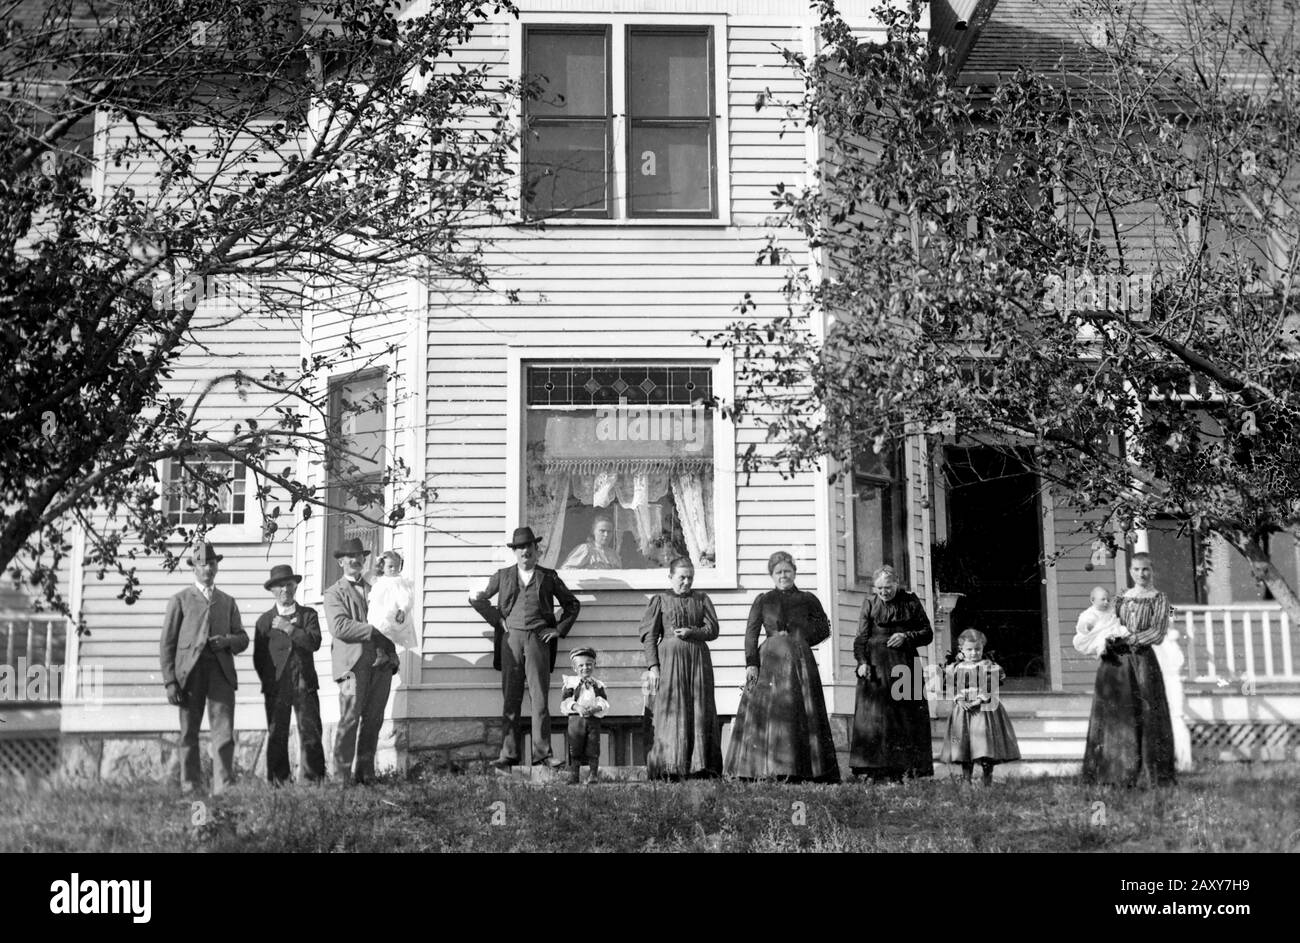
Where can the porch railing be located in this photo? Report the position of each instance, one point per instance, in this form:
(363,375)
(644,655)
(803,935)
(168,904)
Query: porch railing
(1238,643)
(29,642)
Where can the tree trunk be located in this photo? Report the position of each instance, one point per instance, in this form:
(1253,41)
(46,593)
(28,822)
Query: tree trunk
(1266,574)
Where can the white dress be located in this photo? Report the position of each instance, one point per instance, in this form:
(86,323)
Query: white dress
(390,596)
(1171,661)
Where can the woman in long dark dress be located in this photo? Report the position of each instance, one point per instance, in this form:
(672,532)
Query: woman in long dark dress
(675,630)
(1130,735)
(891,724)
(781,729)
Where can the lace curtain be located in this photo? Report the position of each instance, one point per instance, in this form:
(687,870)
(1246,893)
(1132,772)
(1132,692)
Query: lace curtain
(629,476)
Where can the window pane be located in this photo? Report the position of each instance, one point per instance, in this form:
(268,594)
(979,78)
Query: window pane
(570,69)
(671,169)
(621,487)
(565,167)
(359,418)
(184,494)
(635,384)
(669,75)
(868,530)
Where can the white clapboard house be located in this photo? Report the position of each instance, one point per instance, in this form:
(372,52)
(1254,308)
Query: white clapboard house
(581,400)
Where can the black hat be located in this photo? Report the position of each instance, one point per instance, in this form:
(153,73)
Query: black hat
(585,650)
(522,538)
(281,573)
(204,552)
(351,547)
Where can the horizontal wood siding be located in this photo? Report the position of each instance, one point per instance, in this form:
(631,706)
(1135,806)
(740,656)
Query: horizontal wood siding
(642,287)
(123,639)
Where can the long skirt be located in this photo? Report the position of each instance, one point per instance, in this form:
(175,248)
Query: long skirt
(982,734)
(1130,736)
(891,735)
(687,740)
(781,729)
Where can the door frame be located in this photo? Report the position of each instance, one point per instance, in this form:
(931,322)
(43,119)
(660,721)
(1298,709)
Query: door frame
(1049,593)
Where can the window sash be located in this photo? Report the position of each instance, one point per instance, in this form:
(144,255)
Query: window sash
(605,121)
(706,122)
(889,517)
(338,524)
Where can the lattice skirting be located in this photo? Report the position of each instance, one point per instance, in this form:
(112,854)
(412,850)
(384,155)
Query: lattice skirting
(1256,740)
(29,756)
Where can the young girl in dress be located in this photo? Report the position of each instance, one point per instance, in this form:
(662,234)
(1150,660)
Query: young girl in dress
(978,728)
(390,606)
(675,630)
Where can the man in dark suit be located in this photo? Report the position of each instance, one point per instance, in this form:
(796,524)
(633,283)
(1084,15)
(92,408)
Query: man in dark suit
(284,640)
(363,685)
(201,635)
(524,643)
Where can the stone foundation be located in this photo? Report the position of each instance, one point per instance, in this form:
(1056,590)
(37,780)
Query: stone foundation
(141,757)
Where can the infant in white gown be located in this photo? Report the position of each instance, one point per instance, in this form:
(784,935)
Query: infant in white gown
(1097,625)
(390,603)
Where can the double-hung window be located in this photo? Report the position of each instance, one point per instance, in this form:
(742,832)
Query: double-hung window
(354,464)
(879,510)
(623,123)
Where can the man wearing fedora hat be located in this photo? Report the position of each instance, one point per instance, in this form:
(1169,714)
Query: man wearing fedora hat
(284,640)
(524,643)
(364,680)
(201,635)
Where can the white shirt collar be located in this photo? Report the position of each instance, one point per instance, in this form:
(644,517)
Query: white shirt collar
(526,576)
(286,610)
(205,590)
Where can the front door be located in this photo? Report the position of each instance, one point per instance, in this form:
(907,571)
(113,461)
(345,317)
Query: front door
(995,520)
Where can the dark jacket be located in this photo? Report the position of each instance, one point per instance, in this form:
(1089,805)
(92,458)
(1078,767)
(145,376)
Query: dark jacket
(352,636)
(791,610)
(191,621)
(505,586)
(273,651)
(879,620)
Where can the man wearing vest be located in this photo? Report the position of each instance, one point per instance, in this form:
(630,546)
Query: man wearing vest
(525,642)
(201,635)
(363,685)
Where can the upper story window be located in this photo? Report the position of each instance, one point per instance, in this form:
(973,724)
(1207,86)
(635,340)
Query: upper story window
(625,125)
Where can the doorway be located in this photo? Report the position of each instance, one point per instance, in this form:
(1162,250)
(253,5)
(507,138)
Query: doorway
(995,518)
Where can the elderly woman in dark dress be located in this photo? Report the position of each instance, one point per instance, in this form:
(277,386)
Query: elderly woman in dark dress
(1130,735)
(891,727)
(781,729)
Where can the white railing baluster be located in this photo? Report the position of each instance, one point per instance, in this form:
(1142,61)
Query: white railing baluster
(1287,668)
(1190,633)
(9,644)
(1268,644)
(1209,645)
(1229,652)
(1248,643)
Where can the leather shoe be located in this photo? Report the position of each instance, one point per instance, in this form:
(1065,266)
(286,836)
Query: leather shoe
(551,762)
(501,763)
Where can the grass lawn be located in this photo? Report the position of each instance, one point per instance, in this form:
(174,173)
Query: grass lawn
(1225,808)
